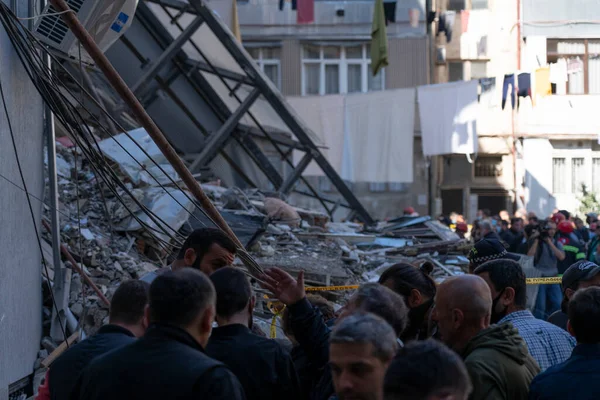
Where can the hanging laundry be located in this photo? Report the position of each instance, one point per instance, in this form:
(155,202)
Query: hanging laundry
(446,24)
(509,83)
(486,86)
(558,71)
(389,10)
(453,129)
(379,41)
(464,20)
(282,3)
(524,87)
(235,22)
(305,12)
(574,65)
(542,82)
(379,129)
(413,17)
(324,116)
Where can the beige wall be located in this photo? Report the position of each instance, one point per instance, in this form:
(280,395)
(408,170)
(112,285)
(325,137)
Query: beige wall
(408,62)
(291,67)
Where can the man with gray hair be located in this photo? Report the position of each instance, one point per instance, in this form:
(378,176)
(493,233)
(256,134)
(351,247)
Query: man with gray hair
(362,347)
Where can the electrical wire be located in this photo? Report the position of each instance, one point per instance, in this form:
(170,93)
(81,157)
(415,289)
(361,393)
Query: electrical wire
(46,14)
(39,241)
(40,77)
(50,87)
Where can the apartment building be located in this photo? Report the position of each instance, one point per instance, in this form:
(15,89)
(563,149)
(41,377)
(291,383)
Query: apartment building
(332,56)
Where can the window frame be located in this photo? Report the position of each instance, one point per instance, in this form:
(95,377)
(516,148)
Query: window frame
(565,178)
(585,56)
(342,63)
(262,61)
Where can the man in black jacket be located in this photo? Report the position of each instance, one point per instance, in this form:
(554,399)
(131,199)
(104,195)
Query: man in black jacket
(126,322)
(264,368)
(313,334)
(168,362)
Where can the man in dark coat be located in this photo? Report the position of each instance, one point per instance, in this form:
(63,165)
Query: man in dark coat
(579,376)
(264,368)
(126,322)
(168,362)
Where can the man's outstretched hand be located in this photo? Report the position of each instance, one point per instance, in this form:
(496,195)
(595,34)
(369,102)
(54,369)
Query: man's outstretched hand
(287,289)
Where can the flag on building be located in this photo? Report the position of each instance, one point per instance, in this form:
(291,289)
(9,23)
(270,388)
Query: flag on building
(379,44)
(305,11)
(235,22)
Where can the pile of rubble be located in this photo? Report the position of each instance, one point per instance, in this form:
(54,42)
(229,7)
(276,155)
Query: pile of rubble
(111,246)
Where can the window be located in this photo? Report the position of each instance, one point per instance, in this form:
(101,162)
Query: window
(596,175)
(478,69)
(455,71)
(583,65)
(559,175)
(577,174)
(456,5)
(488,167)
(268,59)
(479,5)
(338,69)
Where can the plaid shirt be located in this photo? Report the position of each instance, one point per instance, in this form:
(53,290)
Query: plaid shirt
(548,344)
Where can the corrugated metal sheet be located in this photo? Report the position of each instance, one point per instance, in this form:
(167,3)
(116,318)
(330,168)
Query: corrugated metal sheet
(262,18)
(538,13)
(20,277)
(291,68)
(409,66)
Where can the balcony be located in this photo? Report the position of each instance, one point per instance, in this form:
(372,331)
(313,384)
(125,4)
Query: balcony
(470,36)
(260,19)
(552,116)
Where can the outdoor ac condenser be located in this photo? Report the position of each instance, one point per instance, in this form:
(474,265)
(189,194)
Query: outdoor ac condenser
(105,20)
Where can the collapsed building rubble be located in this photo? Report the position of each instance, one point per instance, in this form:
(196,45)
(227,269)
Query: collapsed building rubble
(112,247)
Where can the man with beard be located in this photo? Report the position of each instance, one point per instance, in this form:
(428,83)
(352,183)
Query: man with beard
(496,356)
(206,250)
(362,347)
(263,367)
(548,344)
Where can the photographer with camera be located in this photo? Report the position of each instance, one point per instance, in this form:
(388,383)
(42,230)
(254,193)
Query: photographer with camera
(546,252)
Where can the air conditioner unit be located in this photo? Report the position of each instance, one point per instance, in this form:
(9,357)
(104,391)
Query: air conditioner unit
(105,20)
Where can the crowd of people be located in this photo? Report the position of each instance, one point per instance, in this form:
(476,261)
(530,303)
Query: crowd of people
(187,331)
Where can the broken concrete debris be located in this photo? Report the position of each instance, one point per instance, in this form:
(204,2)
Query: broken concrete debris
(111,246)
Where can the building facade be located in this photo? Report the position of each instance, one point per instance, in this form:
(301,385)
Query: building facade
(20,275)
(332,56)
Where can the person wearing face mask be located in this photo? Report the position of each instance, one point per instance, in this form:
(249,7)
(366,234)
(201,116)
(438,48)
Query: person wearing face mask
(418,290)
(548,344)
(264,368)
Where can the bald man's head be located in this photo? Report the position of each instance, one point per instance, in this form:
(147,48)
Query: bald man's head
(462,308)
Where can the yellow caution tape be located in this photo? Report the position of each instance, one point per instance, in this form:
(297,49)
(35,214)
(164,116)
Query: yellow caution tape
(273,329)
(544,281)
(331,288)
(530,281)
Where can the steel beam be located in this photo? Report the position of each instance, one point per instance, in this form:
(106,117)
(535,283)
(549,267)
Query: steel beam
(218,139)
(166,56)
(276,100)
(287,185)
(176,4)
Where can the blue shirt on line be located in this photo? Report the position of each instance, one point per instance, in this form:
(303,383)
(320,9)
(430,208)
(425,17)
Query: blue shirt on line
(548,344)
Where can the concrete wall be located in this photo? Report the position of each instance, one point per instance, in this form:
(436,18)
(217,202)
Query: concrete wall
(20,279)
(536,12)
